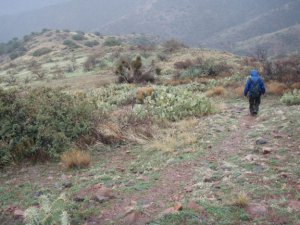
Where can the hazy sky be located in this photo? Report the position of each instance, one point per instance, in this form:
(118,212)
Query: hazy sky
(8,7)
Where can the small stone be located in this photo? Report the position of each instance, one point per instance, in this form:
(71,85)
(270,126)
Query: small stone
(266,150)
(252,158)
(79,198)
(178,206)
(67,184)
(100,198)
(208,179)
(19,214)
(284,175)
(261,141)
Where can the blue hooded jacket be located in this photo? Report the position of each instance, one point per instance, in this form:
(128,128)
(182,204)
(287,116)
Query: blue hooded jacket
(255,78)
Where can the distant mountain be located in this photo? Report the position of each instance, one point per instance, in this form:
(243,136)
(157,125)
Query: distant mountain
(9,7)
(219,24)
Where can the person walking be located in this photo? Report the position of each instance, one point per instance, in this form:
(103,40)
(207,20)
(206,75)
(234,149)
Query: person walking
(254,88)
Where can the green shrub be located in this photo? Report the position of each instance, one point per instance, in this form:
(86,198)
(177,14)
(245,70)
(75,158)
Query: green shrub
(112,96)
(200,67)
(41,51)
(174,103)
(173,45)
(40,123)
(112,41)
(71,44)
(191,73)
(48,212)
(91,43)
(291,98)
(78,37)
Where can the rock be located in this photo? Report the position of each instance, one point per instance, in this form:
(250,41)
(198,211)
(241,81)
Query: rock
(298,187)
(261,141)
(251,158)
(295,205)
(99,198)
(79,198)
(38,194)
(194,206)
(178,206)
(132,218)
(284,175)
(19,214)
(256,210)
(208,179)
(266,150)
(67,184)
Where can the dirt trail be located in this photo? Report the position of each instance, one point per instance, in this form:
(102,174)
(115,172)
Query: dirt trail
(176,181)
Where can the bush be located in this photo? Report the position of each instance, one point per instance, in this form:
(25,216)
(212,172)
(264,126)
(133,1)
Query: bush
(276,88)
(71,44)
(91,43)
(216,91)
(75,159)
(200,67)
(90,63)
(291,98)
(174,103)
(78,37)
(112,41)
(173,45)
(183,65)
(41,51)
(41,124)
(112,96)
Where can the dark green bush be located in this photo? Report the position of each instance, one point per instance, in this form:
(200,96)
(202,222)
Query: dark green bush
(41,51)
(14,48)
(71,44)
(40,123)
(78,37)
(112,41)
(91,43)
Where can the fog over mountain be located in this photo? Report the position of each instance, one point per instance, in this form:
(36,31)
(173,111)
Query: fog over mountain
(222,24)
(8,7)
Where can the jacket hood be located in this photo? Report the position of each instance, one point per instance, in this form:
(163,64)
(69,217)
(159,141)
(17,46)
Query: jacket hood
(254,73)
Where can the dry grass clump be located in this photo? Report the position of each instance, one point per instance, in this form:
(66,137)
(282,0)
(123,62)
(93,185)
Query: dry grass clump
(276,88)
(295,85)
(216,91)
(143,92)
(241,200)
(75,159)
(239,91)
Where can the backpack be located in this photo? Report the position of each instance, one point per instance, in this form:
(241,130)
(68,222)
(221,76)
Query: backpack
(255,89)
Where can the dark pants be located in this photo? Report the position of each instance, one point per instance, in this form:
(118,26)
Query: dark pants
(254,105)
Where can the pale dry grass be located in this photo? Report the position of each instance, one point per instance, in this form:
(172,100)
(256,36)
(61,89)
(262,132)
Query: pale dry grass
(239,91)
(241,200)
(276,88)
(295,85)
(75,159)
(216,91)
(143,92)
(178,136)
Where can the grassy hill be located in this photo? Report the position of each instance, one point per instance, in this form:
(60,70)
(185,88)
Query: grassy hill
(216,24)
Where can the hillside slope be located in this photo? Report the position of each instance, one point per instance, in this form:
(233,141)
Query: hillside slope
(215,24)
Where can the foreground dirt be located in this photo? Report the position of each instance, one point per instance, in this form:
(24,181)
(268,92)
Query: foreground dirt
(233,155)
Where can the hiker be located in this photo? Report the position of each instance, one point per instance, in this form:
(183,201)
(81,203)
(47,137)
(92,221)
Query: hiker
(255,87)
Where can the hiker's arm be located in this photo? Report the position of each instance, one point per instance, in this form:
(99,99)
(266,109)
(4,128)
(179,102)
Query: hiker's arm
(247,87)
(262,87)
